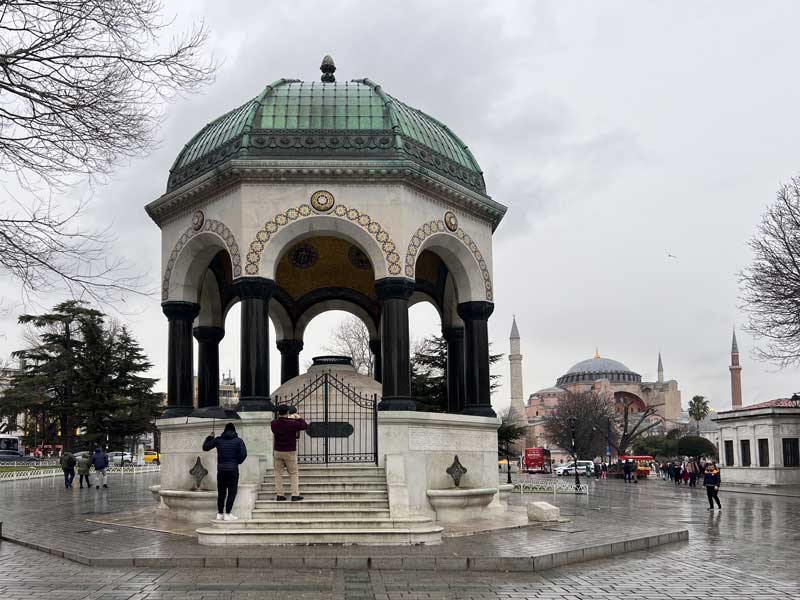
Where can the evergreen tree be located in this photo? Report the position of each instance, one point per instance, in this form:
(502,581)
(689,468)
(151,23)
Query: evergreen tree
(85,375)
(429,374)
(46,384)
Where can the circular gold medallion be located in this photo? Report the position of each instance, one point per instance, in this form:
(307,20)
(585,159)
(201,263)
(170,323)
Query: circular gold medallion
(450,220)
(198,219)
(322,201)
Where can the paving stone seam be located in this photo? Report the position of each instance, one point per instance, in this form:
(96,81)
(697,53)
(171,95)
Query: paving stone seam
(533,563)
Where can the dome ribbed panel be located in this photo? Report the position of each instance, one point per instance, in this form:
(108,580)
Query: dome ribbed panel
(316,105)
(216,133)
(422,128)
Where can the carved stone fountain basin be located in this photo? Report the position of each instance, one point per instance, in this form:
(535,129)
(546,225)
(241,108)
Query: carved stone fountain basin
(460,504)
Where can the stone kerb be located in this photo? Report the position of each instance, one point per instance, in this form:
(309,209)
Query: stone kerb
(182,442)
(416,448)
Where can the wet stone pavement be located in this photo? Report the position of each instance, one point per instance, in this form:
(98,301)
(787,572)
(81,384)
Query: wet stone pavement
(749,550)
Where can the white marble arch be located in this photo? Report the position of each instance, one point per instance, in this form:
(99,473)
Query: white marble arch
(335,304)
(211,313)
(461,263)
(191,264)
(449,311)
(321,225)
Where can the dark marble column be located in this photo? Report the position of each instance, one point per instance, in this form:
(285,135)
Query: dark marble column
(290,358)
(476,357)
(254,293)
(377,364)
(179,357)
(208,339)
(393,294)
(454,336)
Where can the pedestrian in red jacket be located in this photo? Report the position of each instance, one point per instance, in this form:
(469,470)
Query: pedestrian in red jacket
(284,431)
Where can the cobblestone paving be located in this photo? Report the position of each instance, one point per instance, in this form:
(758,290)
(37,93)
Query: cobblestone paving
(73,520)
(747,551)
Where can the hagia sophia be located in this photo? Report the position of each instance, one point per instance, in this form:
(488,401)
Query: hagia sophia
(604,376)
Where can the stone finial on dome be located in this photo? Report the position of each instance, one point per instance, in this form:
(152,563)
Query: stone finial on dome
(328,69)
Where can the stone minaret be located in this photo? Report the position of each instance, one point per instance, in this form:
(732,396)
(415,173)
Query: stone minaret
(736,375)
(660,369)
(515,360)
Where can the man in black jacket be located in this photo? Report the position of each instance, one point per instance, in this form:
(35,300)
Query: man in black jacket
(231,452)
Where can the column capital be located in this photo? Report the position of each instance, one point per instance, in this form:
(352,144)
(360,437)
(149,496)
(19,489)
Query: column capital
(476,309)
(208,333)
(180,311)
(289,346)
(254,287)
(394,288)
(452,334)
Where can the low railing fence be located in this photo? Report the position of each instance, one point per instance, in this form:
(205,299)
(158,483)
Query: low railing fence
(549,486)
(36,473)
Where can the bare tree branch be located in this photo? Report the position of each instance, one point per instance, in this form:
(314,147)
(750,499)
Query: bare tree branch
(771,284)
(83,84)
(351,338)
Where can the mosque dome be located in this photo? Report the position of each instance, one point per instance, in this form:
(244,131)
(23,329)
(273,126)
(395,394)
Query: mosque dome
(598,367)
(327,120)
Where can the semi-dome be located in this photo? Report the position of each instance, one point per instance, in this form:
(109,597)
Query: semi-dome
(293,119)
(596,368)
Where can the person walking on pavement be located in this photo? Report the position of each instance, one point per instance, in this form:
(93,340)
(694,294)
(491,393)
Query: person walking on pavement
(100,464)
(83,471)
(231,452)
(285,430)
(604,471)
(712,481)
(693,472)
(67,462)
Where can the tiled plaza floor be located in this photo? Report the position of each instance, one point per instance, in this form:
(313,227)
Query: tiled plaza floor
(747,551)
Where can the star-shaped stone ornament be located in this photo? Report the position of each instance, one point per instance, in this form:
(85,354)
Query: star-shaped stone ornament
(456,471)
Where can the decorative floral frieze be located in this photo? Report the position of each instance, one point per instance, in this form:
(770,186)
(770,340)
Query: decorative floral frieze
(363,220)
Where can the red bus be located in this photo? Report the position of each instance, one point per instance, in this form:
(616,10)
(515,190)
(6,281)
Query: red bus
(537,460)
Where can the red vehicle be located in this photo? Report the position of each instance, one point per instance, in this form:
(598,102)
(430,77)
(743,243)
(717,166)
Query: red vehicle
(537,460)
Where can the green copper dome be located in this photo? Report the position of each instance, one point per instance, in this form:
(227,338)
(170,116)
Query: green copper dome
(294,119)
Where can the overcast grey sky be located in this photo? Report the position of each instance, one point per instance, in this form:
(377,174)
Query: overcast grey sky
(615,132)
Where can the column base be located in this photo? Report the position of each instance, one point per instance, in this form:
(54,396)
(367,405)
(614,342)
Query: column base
(256,404)
(397,403)
(176,411)
(479,410)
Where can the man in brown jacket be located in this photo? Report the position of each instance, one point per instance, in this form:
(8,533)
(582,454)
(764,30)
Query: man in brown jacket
(284,431)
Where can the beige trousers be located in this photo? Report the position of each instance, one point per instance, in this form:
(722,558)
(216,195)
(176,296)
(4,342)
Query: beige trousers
(288,461)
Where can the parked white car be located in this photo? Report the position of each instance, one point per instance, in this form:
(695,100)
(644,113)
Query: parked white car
(584,467)
(120,459)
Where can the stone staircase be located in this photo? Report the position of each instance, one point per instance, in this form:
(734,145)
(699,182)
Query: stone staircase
(346,504)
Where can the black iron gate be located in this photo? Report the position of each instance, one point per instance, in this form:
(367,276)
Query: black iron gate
(342,423)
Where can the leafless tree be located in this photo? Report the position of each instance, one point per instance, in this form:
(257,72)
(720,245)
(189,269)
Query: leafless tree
(83,84)
(631,424)
(587,409)
(45,250)
(351,338)
(771,284)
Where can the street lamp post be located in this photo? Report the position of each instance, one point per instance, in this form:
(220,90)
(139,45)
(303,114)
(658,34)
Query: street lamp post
(508,463)
(572,424)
